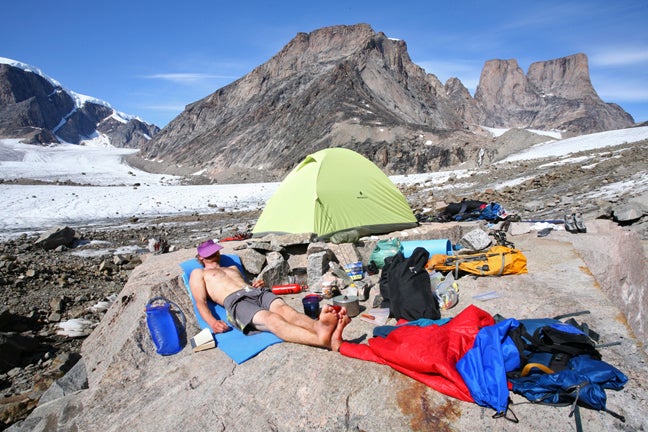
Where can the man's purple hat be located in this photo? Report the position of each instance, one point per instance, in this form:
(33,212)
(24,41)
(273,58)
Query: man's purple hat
(208,248)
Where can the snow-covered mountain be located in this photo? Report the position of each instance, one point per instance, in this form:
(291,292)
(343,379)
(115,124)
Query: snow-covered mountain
(39,110)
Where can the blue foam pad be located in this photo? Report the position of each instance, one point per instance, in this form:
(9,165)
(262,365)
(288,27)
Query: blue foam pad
(234,343)
(434,247)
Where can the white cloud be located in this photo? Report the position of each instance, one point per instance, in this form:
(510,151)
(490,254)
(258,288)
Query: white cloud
(623,91)
(167,108)
(619,57)
(188,78)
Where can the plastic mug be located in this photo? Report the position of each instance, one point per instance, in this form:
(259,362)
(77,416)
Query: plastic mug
(311,306)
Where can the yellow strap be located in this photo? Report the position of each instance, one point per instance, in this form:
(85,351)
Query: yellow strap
(527,369)
(503,263)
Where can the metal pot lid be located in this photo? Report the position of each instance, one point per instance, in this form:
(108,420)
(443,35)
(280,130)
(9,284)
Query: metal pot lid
(345,299)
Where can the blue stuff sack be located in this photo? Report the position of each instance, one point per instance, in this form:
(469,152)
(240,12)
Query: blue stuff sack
(162,325)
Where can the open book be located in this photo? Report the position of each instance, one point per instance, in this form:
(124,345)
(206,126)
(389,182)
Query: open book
(203,340)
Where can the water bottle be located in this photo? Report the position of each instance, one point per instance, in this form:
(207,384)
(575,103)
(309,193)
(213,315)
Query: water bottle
(445,288)
(162,325)
(448,292)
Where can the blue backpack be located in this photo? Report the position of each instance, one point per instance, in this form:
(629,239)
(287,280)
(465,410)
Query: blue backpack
(561,365)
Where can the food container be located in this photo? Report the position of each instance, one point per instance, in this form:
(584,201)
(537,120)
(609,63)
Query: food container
(354,270)
(351,304)
(329,289)
(362,289)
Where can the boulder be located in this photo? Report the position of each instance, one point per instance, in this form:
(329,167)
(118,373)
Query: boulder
(297,261)
(617,260)
(15,348)
(275,273)
(641,201)
(5,317)
(534,205)
(628,213)
(284,240)
(252,260)
(59,236)
(345,253)
(76,379)
(263,246)
(274,257)
(318,264)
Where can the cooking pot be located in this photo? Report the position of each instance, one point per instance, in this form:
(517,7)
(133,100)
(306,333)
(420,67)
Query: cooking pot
(351,304)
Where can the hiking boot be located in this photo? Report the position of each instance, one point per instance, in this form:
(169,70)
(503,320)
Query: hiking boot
(570,223)
(580,224)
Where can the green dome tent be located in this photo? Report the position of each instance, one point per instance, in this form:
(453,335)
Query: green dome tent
(334,190)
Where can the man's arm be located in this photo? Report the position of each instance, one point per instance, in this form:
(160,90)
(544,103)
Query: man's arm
(199,292)
(256,283)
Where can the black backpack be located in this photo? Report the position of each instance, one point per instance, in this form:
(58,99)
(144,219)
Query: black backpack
(551,343)
(406,289)
(464,210)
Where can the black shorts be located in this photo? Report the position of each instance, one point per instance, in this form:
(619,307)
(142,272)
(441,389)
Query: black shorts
(242,305)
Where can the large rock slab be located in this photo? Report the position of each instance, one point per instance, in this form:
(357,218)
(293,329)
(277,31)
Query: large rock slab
(290,387)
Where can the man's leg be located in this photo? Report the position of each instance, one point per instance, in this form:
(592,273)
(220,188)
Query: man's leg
(291,315)
(317,334)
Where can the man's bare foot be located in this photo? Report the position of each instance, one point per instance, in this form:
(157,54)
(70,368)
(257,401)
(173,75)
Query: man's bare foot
(336,337)
(324,327)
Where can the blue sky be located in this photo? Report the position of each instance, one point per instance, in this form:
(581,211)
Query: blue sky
(151,58)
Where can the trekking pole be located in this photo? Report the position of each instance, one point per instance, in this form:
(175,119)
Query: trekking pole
(577,419)
(609,344)
(572,314)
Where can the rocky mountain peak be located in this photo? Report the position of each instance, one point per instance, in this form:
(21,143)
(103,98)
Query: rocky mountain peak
(566,77)
(503,84)
(353,87)
(325,48)
(341,86)
(554,94)
(315,50)
(462,100)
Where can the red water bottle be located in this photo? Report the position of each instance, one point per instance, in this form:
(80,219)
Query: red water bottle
(286,289)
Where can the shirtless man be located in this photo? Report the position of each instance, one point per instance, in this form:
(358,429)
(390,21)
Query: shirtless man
(251,308)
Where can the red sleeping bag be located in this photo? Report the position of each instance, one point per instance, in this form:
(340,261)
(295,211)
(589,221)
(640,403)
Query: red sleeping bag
(427,354)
